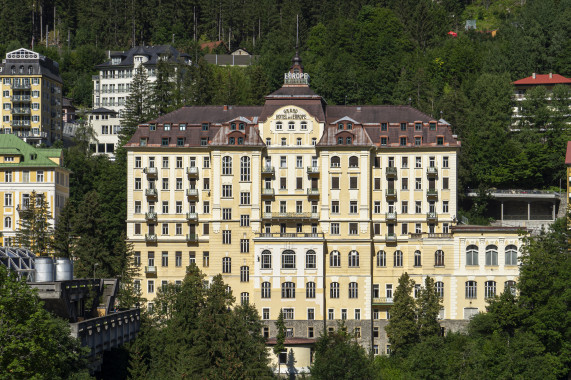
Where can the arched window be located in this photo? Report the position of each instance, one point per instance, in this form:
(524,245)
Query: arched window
(233,126)
(353,259)
(439,285)
(304,125)
(7,222)
(288,259)
(491,255)
(288,289)
(310,290)
(266,259)
(340,126)
(291,126)
(279,126)
(381,258)
(353,160)
(510,285)
(266,289)
(245,169)
(226,165)
(348,140)
(13,70)
(335,259)
(489,289)
(398,258)
(439,258)
(511,255)
(310,259)
(472,255)
(231,141)
(349,126)
(353,290)
(242,126)
(471,289)
(21,69)
(334,290)
(227,265)
(335,162)
(30,70)
(417,259)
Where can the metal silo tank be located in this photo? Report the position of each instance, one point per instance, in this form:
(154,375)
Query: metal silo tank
(64,269)
(44,269)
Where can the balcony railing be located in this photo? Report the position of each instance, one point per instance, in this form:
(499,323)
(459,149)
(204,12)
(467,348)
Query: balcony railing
(391,193)
(151,238)
(432,171)
(151,269)
(391,216)
(151,192)
(21,86)
(382,301)
(290,215)
(191,216)
(191,237)
(312,191)
(151,216)
(192,171)
(391,171)
(391,237)
(312,170)
(268,192)
(295,235)
(22,208)
(150,171)
(20,123)
(268,169)
(432,193)
(192,192)
(20,111)
(434,235)
(432,216)
(21,98)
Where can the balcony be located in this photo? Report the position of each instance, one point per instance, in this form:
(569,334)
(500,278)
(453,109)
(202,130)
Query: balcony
(192,193)
(313,192)
(432,171)
(391,237)
(391,194)
(192,238)
(268,170)
(22,208)
(151,216)
(151,238)
(21,98)
(151,270)
(268,193)
(20,123)
(20,111)
(290,215)
(151,193)
(192,216)
(150,171)
(432,194)
(21,86)
(391,172)
(435,235)
(391,216)
(289,236)
(312,170)
(432,217)
(192,171)
(382,301)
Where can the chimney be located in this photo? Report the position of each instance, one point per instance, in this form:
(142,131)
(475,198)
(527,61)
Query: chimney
(550,75)
(533,75)
(225,107)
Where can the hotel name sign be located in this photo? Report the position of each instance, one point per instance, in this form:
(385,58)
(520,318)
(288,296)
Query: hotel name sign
(291,114)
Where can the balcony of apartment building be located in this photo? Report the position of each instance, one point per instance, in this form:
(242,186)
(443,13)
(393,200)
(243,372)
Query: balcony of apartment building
(313,192)
(432,217)
(290,215)
(151,193)
(268,170)
(21,111)
(21,123)
(192,238)
(21,85)
(391,172)
(391,194)
(382,301)
(312,170)
(192,193)
(25,98)
(432,194)
(268,193)
(289,236)
(192,171)
(151,216)
(151,171)
(432,171)
(151,270)
(192,216)
(391,216)
(151,238)
(391,237)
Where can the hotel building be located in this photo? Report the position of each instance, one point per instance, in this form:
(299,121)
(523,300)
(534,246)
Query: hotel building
(312,209)
(31,97)
(24,169)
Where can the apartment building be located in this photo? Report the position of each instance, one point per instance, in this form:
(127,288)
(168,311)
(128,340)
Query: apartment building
(31,97)
(112,86)
(312,209)
(24,169)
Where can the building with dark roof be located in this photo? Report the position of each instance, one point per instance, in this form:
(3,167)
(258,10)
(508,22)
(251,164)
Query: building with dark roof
(310,208)
(32,97)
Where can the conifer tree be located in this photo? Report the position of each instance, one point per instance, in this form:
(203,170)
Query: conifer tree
(428,308)
(34,228)
(62,243)
(402,329)
(138,108)
(280,338)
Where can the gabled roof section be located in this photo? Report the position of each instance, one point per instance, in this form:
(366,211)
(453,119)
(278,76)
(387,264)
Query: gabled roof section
(152,52)
(30,155)
(345,118)
(543,79)
(251,136)
(376,114)
(197,115)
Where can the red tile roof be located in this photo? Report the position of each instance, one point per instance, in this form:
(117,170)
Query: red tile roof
(568,155)
(543,79)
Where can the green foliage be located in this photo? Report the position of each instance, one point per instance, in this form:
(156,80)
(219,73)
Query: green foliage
(402,329)
(339,356)
(428,308)
(33,343)
(35,231)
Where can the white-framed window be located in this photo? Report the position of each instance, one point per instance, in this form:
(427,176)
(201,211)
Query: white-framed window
(471,289)
(288,259)
(472,255)
(439,288)
(244,273)
(39,176)
(244,220)
(150,286)
(511,255)
(310,289)
(244,245)
(353,290)
(266,290)
(398,258)
(288,290)
(334,228)
(244,298)
(490,289)
(226,191)
(417,258)
(226,237)
(335,162)
(8,200)
(310,259)
(439,258)
(226,265)
(245,169)
(334,290)
(266,260)
(226,165)
(288,313)
(279,126)
(353,259)
(245,198)
(381,258)
(491,255)
(334,259)
(8,222)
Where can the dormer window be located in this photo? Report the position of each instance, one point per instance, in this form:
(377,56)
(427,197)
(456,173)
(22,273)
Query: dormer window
(403,141)
(242,126)
(279,126)
(167,127)
(339,140)
(165,141)
(440,140)
(240,141)
(13,70)
(418,126)
(180,141)
(143,142)
(182,127)
(21,69)
(205,126)
(384,141)
(403,126)
(304,125)
(30,70)
(433,126)
(340,126)
(152,127)
(384,126)
(418,141)
(231,141)
(233,126)
(348,140)
(349,126)
(115,60)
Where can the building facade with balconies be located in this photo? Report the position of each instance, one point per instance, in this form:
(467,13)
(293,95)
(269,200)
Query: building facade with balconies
(311,209)
(24,169)
(31,97)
